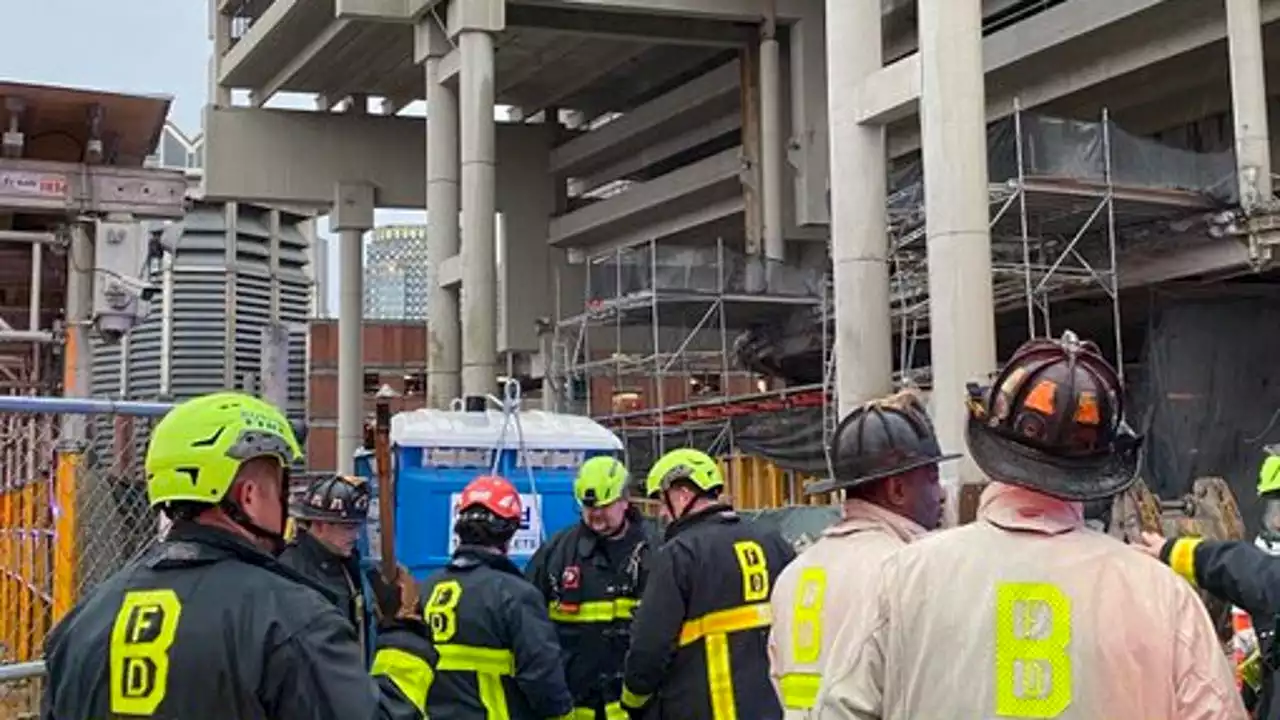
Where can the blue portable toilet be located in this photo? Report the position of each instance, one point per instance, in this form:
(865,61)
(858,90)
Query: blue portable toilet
(437,452)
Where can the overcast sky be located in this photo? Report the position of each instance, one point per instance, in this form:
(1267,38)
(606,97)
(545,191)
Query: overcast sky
(154,47)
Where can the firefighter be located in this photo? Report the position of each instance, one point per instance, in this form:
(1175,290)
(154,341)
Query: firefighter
(699,639)
(885,457)
(1246,575)
(207,623)
(330,515)
(1026,612)
(498,654)
(591,574)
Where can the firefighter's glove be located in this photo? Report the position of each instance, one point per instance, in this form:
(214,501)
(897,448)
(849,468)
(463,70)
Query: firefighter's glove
(1250,670)
(396,599)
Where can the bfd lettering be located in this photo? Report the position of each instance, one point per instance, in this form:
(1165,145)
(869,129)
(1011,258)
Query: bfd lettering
(144,630)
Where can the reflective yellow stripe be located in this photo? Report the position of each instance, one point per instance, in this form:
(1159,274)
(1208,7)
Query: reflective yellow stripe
(720,678)
(594,611)
(1182,558)
(410,673)
(800,690)
(612,711)
(489,665)
(632,700)
(743,617)
(469,658)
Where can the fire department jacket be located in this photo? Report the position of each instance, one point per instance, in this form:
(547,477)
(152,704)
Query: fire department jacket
(1243,575)
(1026,613)
(592,586)
(206,627)
(498,654)
(699,639)
(827,593)
(345,579)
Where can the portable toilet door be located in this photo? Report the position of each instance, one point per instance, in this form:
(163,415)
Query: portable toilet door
(437,452)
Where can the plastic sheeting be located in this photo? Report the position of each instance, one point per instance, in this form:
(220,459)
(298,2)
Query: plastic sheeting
(791,439)
(1208,398)
(654,267)
(1052,148)
(1077,150)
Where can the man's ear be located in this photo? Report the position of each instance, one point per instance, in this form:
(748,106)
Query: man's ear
(895,490)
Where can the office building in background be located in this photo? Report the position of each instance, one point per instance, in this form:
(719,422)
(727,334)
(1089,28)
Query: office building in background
(396,273)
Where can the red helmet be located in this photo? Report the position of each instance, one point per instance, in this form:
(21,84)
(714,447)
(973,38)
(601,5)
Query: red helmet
(493,493)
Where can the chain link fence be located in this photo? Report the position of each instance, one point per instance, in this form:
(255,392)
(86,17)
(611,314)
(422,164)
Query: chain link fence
(73,510)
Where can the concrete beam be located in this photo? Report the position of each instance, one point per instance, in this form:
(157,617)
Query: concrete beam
(667,226)
(654,154)
(716,91)
(647,28)
(375,10)
(449,272)
(748,11)
(296,157)
(707,181)
(1186,28)
(585,78)
(257,38)
(316,47)
(1208,259)
(894,92)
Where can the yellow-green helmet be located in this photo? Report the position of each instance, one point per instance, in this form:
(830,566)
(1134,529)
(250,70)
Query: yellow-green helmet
(196,449)
(601,481)
(684,464)
(1269,474)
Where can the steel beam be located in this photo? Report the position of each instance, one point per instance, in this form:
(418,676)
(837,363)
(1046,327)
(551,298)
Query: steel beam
(68,188)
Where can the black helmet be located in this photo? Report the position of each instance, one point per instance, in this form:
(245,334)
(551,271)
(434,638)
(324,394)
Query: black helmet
(334,499)
(880,439)
(1053,421)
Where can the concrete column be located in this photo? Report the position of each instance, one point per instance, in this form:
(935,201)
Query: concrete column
(859,238)
(1249,102)
(954,149)
(771,140)
(352,217)
(444,331)
(473,24)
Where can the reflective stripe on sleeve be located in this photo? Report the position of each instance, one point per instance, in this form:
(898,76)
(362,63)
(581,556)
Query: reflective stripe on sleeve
(410,674)
(800,690)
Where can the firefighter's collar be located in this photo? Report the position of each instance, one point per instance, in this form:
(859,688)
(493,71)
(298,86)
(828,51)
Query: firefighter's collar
(470,557)
(1016,508)
(715,512)
(190,544)
(861,516)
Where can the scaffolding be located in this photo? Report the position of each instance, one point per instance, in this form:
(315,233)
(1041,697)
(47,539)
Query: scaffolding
(1069,201)
(666,312)
(1053,236)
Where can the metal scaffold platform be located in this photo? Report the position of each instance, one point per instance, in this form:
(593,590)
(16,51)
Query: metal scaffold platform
(690,353)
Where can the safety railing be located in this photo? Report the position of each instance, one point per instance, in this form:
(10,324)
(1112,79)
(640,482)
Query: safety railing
(73,510)
(20,687)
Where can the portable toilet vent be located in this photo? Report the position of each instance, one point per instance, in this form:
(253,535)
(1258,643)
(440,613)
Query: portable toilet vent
(437,452)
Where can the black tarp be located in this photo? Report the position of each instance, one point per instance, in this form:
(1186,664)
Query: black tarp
(1208,395)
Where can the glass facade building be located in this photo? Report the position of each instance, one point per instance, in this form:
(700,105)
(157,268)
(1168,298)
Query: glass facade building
(396,273)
